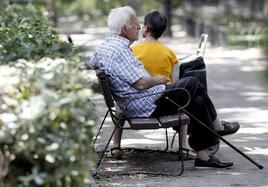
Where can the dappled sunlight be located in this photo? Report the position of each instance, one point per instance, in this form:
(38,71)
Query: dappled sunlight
(92,42)
(239,140)
(225,53)
(97,98)
(253,115)
(78,38)
(140,141)
(255,96)
(256,151)
(246,138)
(96,30)
(252,68)
(254,130)
(84,39)
(117,168)
(155,136)
(232,86)
(108,120)
(260,94)
(179,34)
(230,173)
(70,18)
(116,161)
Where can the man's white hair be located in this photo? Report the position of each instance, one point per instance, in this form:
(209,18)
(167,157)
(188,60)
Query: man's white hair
(119,17)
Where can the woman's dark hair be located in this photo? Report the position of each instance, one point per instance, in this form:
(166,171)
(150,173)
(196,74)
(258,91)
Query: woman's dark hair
(156,23)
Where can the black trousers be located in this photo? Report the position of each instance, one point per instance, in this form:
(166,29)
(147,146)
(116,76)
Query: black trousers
(200,106)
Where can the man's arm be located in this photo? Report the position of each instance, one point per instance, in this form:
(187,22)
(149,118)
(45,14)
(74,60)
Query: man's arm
(148,82)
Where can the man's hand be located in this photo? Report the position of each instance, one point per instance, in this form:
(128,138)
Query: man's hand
(148,82)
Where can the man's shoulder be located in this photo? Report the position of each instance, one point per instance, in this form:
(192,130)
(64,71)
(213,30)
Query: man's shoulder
(116,45)
(111,48)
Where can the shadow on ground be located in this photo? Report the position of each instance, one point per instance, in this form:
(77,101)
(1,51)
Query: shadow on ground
(141,164)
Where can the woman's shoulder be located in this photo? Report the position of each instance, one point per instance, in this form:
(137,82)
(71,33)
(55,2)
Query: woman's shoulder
(138,44)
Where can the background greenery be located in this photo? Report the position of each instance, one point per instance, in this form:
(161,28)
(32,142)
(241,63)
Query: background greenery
(46,118)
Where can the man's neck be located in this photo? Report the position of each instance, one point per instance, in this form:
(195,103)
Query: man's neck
(124,36)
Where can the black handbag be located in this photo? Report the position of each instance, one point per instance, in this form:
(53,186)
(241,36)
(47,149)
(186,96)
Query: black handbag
(194,67)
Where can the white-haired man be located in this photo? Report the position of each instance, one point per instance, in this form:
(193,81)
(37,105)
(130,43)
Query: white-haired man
(127,75)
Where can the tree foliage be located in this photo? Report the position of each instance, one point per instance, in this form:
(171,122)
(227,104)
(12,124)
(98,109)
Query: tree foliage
(25,33)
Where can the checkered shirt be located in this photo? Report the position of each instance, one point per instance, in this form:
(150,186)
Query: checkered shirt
(122,68)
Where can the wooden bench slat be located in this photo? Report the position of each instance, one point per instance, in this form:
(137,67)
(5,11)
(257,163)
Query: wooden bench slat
(144,123)
(173,120)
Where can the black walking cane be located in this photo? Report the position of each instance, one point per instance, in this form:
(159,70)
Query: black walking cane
(216,134)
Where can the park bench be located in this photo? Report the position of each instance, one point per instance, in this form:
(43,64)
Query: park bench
(192,65)
(164,122)
(185,69)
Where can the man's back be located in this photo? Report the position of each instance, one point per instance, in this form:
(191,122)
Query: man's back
(117,60)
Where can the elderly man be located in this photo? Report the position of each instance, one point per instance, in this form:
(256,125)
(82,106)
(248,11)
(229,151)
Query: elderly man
(127,75)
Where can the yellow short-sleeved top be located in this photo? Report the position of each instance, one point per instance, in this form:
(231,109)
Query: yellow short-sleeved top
(157,58)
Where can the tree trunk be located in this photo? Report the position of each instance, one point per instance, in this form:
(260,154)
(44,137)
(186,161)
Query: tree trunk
(167,11)
(265,11)
(3,2)
(52,8)
(135,4)
(4,165)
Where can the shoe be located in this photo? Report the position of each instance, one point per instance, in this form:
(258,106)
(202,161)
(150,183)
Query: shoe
(188,154)
(229,128)
(213,162)
(116,152)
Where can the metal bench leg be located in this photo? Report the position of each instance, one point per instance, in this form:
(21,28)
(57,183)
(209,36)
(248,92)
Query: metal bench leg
(105,148)
(180,153)
(95,139)
(166,141)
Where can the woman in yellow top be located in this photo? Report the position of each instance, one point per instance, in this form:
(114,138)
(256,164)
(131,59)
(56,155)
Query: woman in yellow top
(159,60)
(156,57)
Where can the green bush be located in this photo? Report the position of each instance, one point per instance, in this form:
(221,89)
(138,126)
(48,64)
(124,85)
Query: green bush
(25,34)
(46,123)
(46,117)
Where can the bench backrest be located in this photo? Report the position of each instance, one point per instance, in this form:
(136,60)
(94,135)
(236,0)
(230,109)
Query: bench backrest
(105,87)
(139,123)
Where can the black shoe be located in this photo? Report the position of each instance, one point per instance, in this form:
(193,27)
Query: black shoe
(213,162)
(229,128)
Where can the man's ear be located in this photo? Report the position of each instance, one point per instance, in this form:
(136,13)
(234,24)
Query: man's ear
(124,31)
